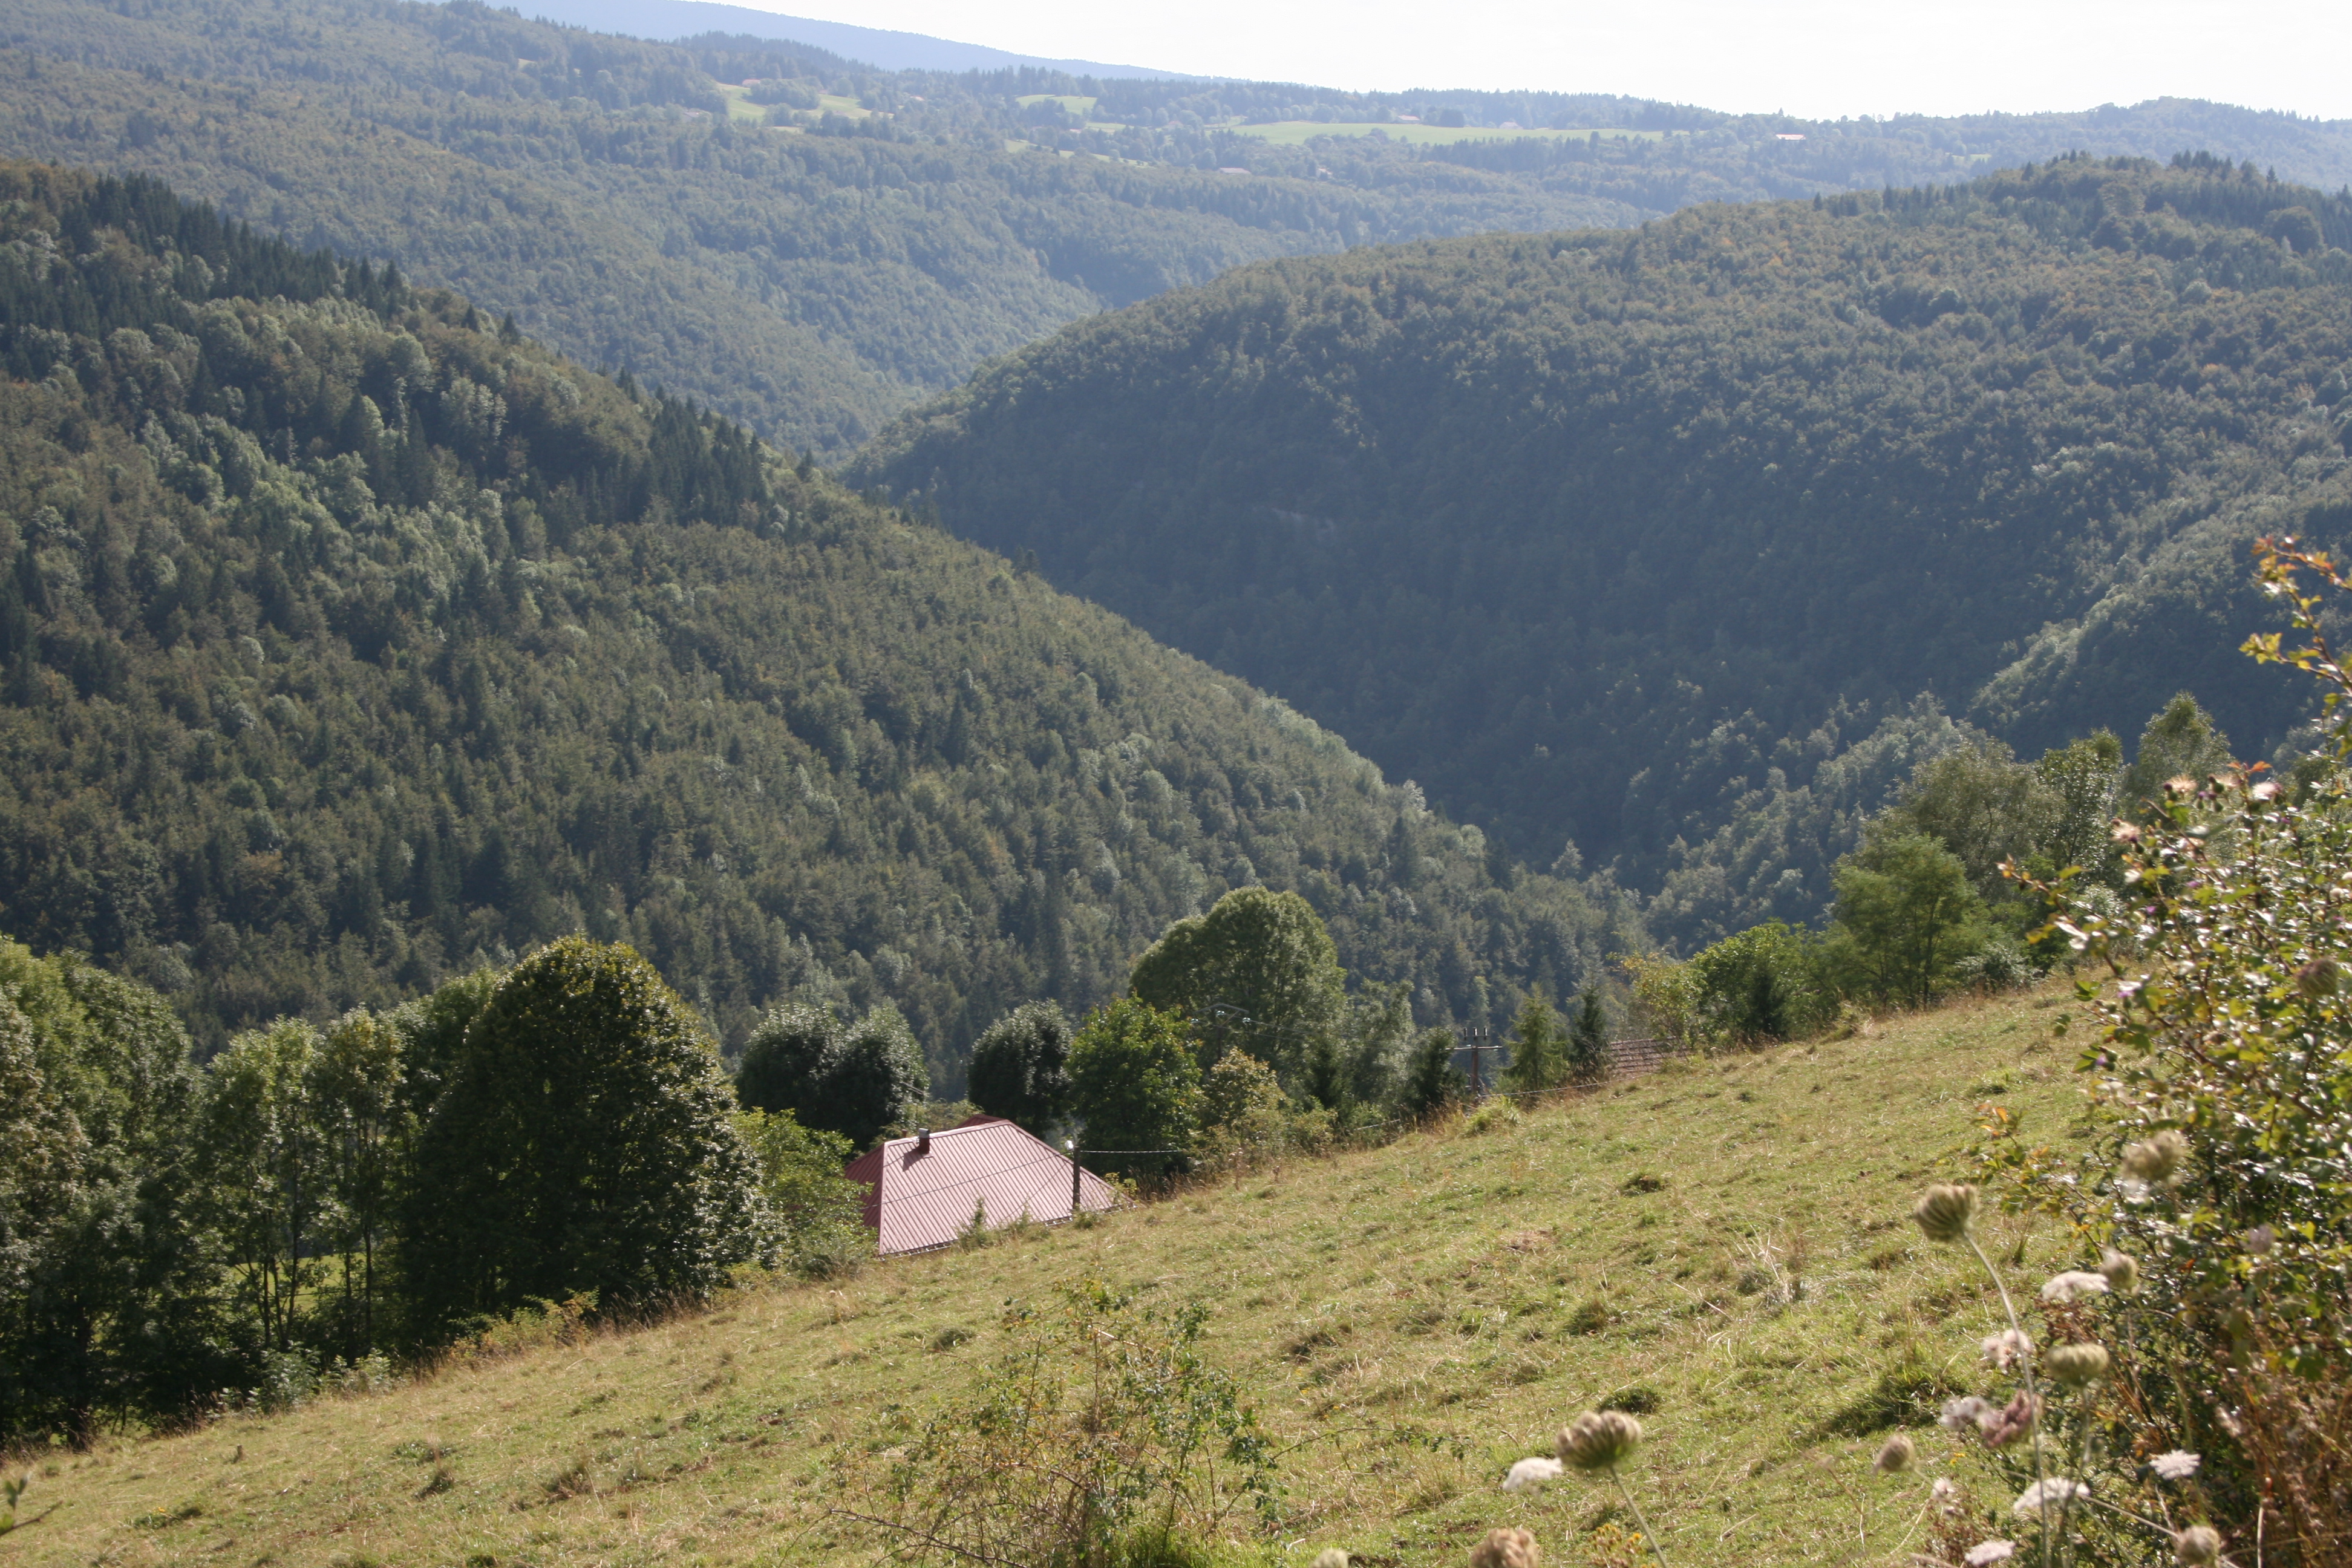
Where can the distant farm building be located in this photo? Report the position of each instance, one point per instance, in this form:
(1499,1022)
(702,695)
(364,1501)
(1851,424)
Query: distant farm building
(924,1191)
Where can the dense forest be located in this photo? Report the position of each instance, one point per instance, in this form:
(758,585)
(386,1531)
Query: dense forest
(351,640)
(1614,540)
(815,253)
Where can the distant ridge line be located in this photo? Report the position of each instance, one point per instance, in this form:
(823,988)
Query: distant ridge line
(667,20)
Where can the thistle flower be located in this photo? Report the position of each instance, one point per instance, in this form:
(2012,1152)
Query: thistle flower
(1944,1212)
(1898,1455)
(2196,1546)
(2007,1349)
(2260,1241)
(1528,1474)
(1986,1552)
(1506,1548)
(2074,1284)
(1329,1557)
(1943,1490)
(2041,1495)
(2158,1159)
(2180,785)
(2176,1465)
(1598,1440)
(1969,1410)
(2011,1422)
(2122,1273)
(2076,1365)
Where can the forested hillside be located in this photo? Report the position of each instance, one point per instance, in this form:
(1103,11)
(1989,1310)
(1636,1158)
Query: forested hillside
(350,641)
(1610,537)
(815,252)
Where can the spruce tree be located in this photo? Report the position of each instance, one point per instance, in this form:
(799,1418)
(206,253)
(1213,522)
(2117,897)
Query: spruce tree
(1588,1041)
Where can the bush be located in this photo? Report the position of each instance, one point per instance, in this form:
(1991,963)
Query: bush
(1103,1436)
(815,1212)
(1765,984)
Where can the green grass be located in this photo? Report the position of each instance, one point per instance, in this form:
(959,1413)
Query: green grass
(1296,133)
(1722,1247)
(1071,102)
(739,107)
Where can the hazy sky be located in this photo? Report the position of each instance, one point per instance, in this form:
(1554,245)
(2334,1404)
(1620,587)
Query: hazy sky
(1815,57)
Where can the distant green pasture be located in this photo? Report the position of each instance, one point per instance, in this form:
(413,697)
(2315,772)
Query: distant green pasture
(1293,133)
(1071,102)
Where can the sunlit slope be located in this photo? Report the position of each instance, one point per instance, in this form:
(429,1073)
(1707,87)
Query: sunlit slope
(1411,1319)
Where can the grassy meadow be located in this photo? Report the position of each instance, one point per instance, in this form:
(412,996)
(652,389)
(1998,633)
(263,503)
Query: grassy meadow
(1722,1244)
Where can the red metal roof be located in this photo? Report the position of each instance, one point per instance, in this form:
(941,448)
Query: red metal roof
(919,1199)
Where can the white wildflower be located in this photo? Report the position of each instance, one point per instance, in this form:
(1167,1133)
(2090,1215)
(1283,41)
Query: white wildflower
(2074,1284)
(2056,1489)
(1528,1474)
(1989,1552)
(1960,1415)
(2177,1466)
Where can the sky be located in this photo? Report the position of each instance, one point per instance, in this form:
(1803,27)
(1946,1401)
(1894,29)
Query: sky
(1816,59)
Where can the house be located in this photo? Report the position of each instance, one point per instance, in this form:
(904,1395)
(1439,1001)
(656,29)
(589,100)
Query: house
(922,1192)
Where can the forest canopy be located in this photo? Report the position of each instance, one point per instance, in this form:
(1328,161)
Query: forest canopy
(1623,543)
(352,641)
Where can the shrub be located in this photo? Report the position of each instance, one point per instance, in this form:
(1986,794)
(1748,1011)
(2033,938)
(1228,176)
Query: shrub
(815,1213)
(1102,1436)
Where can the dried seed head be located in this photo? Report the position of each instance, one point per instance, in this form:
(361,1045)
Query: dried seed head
(1898,1455)
(2121,1273)
(2177,1466)
(2076,1365)
(2318,979)
(2180,785)
(1506,1548)
(2006,1349)
(2196,1546)
(2005,1426)
(2260,1241)
(1329,1557)
(2158,1159)
(1599,1439)
(1986,1553)
(1946,1212)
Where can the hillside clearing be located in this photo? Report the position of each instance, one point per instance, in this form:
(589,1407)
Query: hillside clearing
(1298,132)
(1721,1244)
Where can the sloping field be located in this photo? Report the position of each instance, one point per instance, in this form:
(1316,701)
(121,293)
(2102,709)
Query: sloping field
(1727,1237)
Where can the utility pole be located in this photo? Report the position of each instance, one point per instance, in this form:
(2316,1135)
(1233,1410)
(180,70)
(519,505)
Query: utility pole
(1477,1039)
(1072,1145)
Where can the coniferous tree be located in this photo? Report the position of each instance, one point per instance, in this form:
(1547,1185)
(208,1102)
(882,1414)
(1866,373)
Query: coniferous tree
(1588,1039)
(1431,1080)
(1538,1048)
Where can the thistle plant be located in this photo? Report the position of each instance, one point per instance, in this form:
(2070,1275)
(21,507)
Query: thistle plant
(1599,1440)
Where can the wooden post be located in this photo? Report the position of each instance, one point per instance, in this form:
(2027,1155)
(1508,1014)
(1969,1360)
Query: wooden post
(1071,1145)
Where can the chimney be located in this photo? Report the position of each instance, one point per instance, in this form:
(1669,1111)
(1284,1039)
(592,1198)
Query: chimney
(922,1140)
